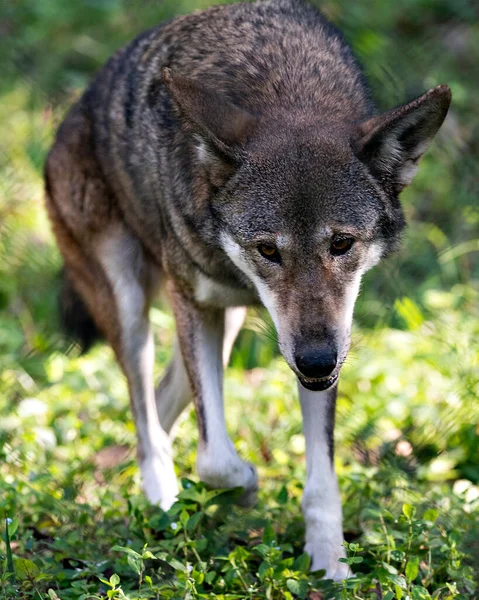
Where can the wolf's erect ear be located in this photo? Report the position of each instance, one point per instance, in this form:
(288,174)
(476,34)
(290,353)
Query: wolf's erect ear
(391,144)
(218,123)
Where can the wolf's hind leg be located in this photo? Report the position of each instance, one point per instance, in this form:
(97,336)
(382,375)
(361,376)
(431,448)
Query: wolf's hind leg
(174,391)
(106,267)
(201,336)
(131,280)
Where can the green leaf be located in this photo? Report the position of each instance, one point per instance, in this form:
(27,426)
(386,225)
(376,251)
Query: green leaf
(302,563)
(224,497)
(282,497)
(389,568)
(408,510)
(12,527)
(299,587)
(419,593)
(269,537)
(210,576)
(240,553)
(114,580)
(397,580)
(355,547)
(201,544)
(177,565)
(160,521)
(26,569)
(397,555)
(135,563)
(126,550)
(264,570)
(194,520)
(198,577)
(357,559)
(412,568)
(431,515)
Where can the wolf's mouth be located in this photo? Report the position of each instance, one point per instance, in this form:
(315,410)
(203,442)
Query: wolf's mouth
(318,385)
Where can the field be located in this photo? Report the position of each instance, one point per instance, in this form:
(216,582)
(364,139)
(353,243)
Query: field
(74,523)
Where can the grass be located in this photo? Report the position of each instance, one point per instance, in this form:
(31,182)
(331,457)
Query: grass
(70,480)
(74,523)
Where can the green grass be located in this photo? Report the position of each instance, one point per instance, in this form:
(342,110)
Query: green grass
(404,430)
(408,412)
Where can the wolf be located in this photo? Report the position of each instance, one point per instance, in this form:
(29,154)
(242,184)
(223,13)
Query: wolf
(228,158)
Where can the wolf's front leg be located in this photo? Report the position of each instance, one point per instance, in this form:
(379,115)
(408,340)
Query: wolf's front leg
(200,332)
(321,500)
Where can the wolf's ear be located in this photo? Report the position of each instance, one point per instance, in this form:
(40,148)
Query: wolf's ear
(221,126)
(391,144)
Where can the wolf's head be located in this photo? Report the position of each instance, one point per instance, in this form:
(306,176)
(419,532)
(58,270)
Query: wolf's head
(303,208)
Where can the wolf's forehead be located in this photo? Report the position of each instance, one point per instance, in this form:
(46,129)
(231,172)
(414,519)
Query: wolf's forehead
(317,217)
(360,223)
(318,187)
(317,234)
(289,221)
(284,240)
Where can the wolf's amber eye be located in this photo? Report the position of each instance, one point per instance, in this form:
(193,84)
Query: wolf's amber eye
(269,252)
(341,246)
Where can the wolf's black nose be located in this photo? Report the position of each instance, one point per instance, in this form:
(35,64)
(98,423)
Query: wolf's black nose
(316,363)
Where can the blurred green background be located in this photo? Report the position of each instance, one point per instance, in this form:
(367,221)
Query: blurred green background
(408,414)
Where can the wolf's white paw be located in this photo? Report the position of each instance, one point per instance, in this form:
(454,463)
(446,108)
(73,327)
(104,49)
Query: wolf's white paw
(159,480)
(250,495)
(227,470)
(325,554)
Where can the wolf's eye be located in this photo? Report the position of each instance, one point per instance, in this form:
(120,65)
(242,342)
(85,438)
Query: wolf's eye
(341,246)
(269,252)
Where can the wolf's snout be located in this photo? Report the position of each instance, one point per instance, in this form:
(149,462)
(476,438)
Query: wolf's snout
(316,362)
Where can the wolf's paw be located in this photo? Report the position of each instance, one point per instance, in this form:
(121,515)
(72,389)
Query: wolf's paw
(159,480)
(325,555)
(224,472)
(324,543)
(250,495)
